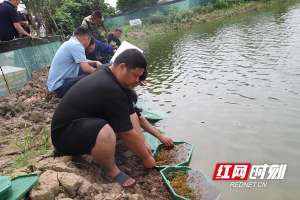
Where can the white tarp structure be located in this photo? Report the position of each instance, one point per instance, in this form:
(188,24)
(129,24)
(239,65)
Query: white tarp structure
(135,22)
(22,8)
(124,46)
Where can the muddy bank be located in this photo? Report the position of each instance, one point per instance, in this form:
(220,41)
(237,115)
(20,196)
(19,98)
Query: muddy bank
(25,147)
(27,112)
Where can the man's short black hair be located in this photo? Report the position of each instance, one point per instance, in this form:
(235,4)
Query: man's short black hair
(119,30)
(97,13)
(81,30)
(133,58)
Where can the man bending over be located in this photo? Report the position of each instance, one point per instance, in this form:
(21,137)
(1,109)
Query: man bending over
(99,109)
(70,64)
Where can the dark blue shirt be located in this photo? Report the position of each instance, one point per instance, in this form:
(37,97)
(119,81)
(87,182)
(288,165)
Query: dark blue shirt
(8,16)
(101,52)
(113,40)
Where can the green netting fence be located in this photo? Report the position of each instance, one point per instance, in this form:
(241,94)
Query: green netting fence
(156,11)
(29,54)
(19,58)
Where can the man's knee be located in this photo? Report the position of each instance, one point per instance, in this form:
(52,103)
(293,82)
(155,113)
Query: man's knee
(105,142)
(107,134)
(131,138)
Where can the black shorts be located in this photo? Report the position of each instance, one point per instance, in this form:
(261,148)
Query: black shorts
(78,137)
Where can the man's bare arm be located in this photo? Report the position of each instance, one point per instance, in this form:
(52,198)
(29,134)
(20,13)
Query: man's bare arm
(94,63)
(147,126)
(87,68)
(20,29)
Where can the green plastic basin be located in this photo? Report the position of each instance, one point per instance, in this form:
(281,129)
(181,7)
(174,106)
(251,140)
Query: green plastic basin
(184,163)
(5,186)
(153,116)
(211,193)
(20,186)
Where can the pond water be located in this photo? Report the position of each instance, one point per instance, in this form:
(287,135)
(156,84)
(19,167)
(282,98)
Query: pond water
(232,88)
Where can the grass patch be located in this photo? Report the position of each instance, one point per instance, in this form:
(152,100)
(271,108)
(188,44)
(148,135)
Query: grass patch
(31,146)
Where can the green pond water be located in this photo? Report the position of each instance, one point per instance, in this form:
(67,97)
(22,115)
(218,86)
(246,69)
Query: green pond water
(232,88)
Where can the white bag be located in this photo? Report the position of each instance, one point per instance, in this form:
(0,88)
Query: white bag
(124,46)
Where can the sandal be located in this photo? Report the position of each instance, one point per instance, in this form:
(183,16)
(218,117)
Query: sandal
(122,178)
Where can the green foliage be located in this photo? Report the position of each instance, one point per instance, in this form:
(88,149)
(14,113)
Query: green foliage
(25,146)
(71,12)
(227,3)
(30,146)
(126,5)
(203,9)
(45,141)
(26,143)
(176,16)
(66,15)
(221,4)
(156,19)
(43,10)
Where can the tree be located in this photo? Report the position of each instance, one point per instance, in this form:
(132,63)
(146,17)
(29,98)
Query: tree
(126,5)
(65,15)
(43,11)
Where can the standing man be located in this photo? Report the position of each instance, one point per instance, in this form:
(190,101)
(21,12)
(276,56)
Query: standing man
(10,25)
(114,38)
(98,110)
(70,64)
(94,23)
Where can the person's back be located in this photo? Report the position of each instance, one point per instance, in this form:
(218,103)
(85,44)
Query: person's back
(114,38)
(8,16)
(94,23)
(97,110)
(87,21)
(97,96)
(69,64)
(99,50)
